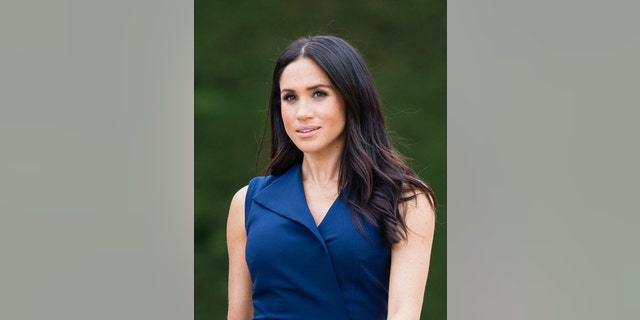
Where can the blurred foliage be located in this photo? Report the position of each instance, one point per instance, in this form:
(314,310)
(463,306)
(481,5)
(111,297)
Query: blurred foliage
(236,45)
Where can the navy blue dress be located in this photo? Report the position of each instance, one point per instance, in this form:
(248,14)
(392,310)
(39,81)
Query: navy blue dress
(302,271)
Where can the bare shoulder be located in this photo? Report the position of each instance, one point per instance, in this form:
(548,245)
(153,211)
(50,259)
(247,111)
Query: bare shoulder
(419,213)
(239,198)
(235,221)
(419,203)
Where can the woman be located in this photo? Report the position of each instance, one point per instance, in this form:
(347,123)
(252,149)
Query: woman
(341,228)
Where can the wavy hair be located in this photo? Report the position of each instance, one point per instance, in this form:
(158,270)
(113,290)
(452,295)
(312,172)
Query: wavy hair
(376,176)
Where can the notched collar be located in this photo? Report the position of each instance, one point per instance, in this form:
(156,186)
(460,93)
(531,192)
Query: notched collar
(285,196)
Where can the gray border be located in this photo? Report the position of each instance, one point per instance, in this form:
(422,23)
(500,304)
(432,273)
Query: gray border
(96,174)
(543,154)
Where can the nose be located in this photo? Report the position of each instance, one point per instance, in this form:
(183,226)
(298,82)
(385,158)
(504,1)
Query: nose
(304,110)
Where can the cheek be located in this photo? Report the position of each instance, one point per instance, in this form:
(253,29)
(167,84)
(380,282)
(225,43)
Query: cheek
(340,117)
(287,119)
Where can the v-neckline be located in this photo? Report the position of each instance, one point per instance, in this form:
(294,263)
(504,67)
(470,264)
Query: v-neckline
(306,204)
(326,215)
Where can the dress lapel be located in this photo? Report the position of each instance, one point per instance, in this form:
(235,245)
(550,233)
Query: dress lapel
(285,196)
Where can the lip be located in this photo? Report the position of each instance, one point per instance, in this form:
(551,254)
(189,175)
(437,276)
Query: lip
(307,131)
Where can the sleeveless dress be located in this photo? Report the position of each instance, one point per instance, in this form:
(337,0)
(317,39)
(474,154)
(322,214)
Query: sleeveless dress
(302,271)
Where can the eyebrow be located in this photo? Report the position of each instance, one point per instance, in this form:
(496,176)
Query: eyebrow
(309,88)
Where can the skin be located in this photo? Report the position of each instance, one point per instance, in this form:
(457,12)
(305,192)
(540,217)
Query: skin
(309,101)
(313,113)
(240,303)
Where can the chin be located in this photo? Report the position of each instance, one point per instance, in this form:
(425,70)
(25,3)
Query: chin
(307,149)
(312,147)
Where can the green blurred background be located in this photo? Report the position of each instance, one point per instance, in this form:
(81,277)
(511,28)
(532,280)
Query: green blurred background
(236,45)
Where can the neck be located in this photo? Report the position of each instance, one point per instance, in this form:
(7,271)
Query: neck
(320,170)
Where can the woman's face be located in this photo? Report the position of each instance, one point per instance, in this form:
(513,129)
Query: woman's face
(312,110)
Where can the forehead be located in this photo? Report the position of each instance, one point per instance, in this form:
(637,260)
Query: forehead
(303,72)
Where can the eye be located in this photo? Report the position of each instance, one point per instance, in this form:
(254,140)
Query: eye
(319,94)
(289,97)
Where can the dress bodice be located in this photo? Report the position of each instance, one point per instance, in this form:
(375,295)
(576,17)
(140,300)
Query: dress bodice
(303,271)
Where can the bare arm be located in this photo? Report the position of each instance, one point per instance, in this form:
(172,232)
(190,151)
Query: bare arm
(240,304)
(410,261)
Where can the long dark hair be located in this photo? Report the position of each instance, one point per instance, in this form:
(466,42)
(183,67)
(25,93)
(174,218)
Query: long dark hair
(374,173)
